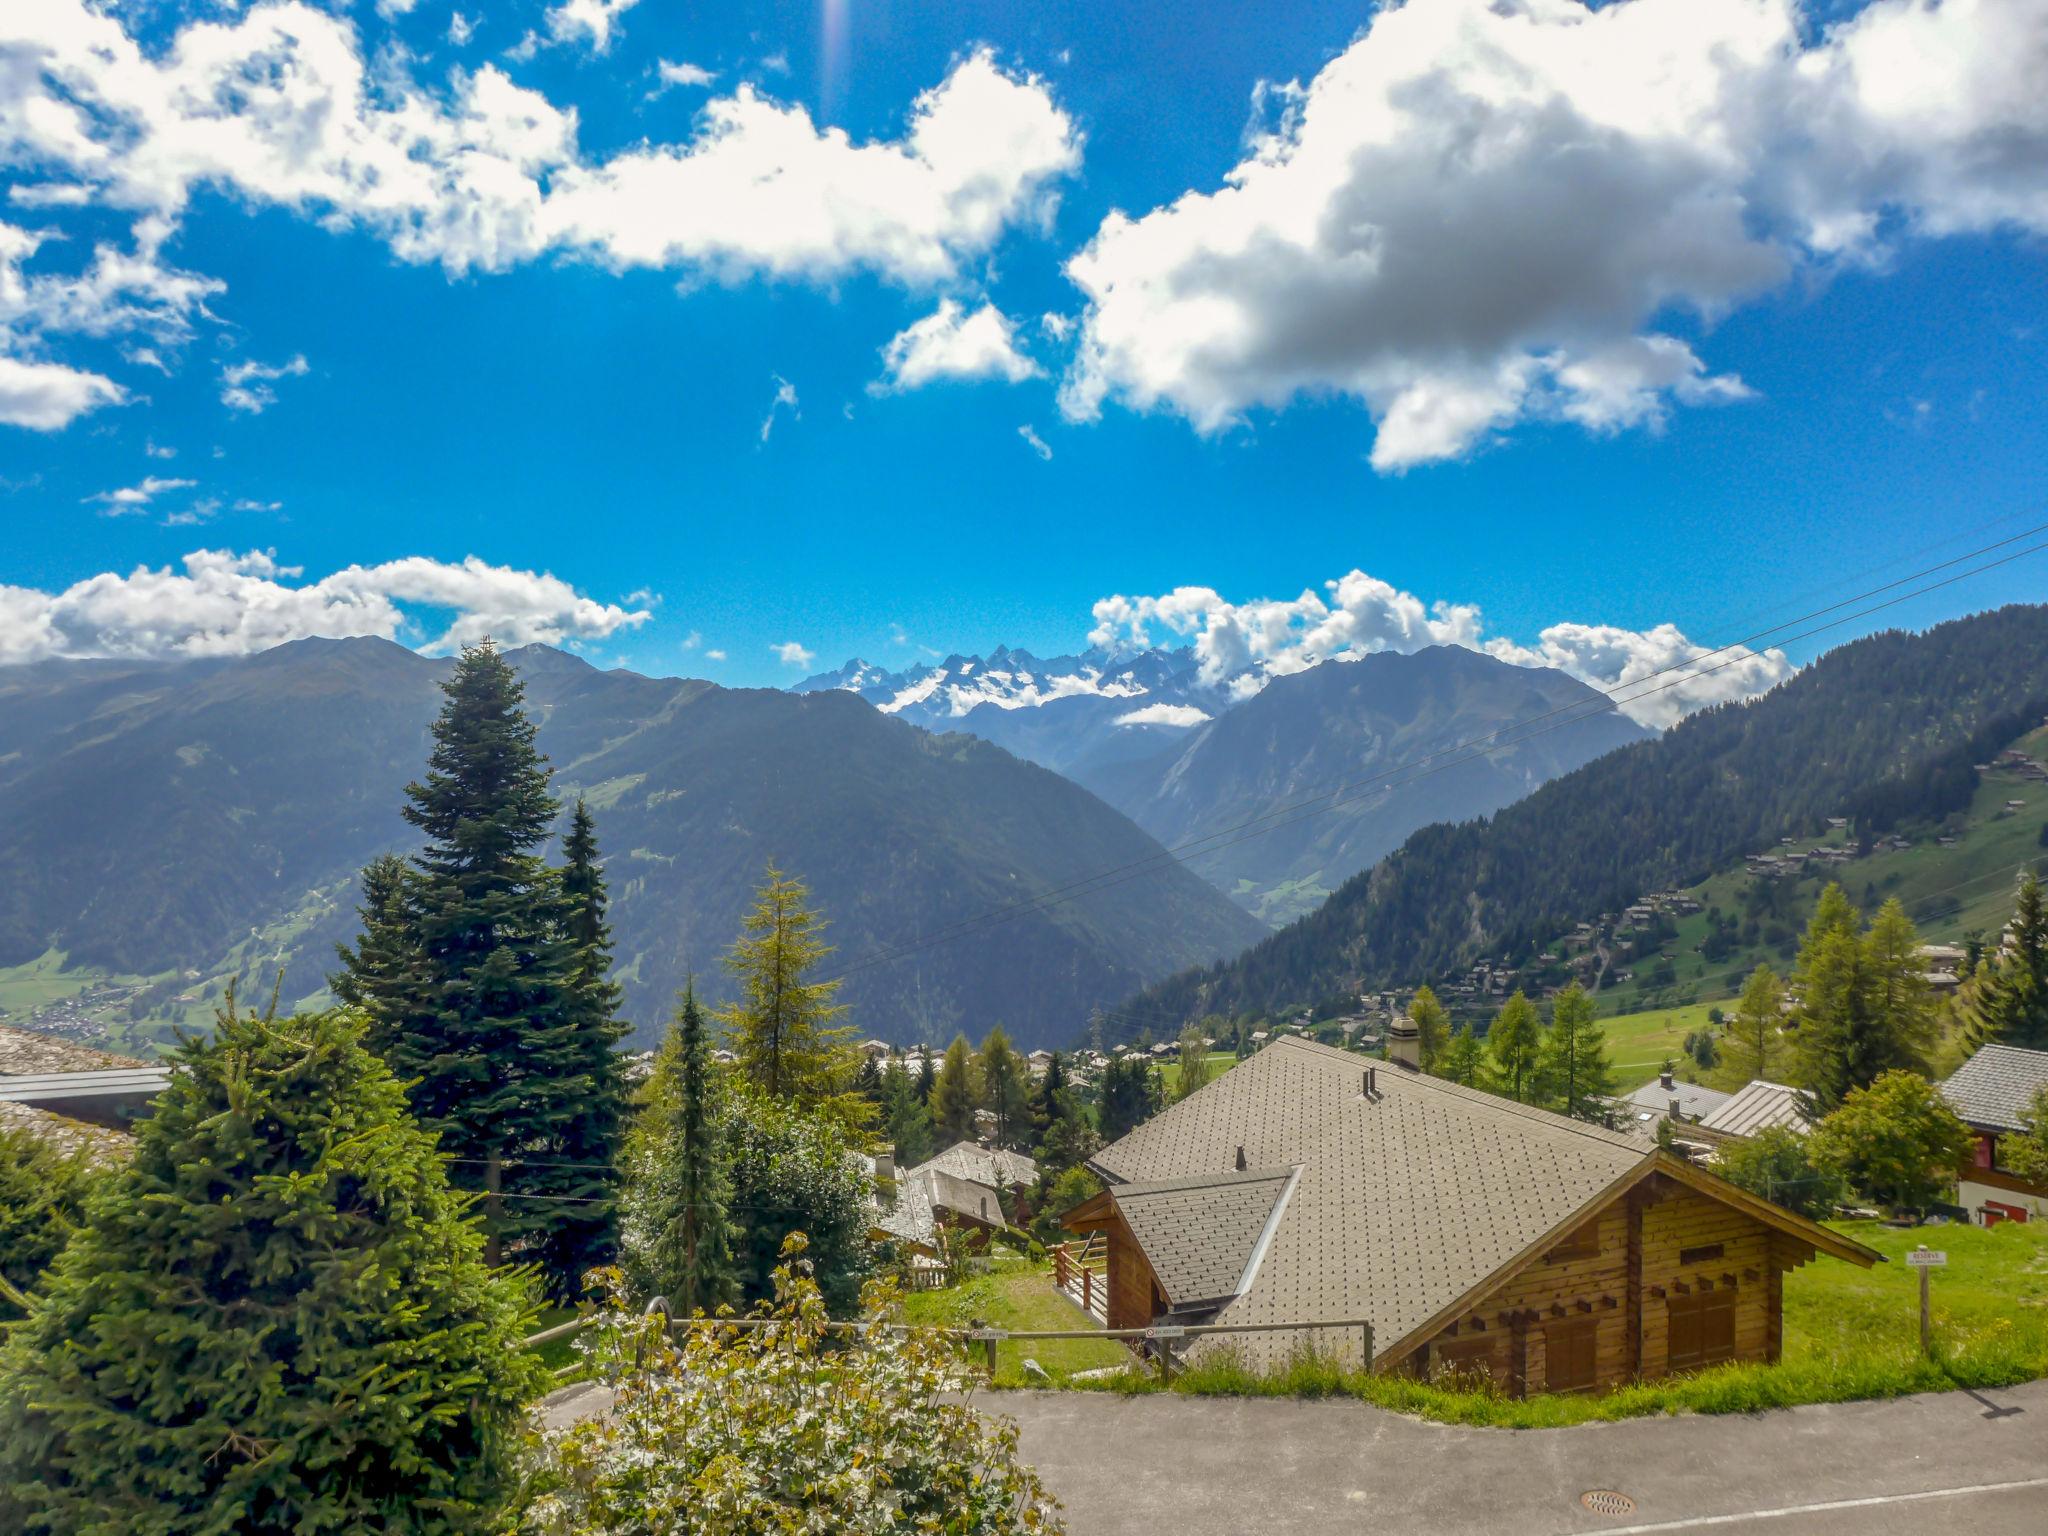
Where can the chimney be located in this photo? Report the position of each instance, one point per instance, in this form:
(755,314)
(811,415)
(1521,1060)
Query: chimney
(885,1164)
(1240,1159)
(1404,1043)
(1674,1111)
(1664,1077)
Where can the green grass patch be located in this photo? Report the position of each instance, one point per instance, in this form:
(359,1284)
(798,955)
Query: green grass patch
(556,1354)
(1018,1296)
(1220,1062)
(1638,1044)
(1850,1334)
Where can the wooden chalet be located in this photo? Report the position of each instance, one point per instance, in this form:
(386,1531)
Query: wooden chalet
(1480,1236)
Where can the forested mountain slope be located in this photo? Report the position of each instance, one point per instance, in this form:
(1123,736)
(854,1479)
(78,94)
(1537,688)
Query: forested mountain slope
(1879,729)
(210,817)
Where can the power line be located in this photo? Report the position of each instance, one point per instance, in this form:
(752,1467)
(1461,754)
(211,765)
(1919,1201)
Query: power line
(1095,884)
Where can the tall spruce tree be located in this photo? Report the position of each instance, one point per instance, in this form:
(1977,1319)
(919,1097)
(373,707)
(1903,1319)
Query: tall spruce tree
(479,994)
(1753,1045)
(906,1121)
(781,1026)
(954,1099)
(2007,999)
(678,1233)
(1005,1088)
(1573,1065)
(1863,1005)
(1516,1040)
(276,1317)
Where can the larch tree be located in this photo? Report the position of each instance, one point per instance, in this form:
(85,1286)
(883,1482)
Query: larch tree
(678,1234)
(1432,1027)
(1193,1075)
(954,1099)
(1005,1088)
(276,1317)
(1902,999)
(781,1025)
(1864,1006)
(1753,1045)
(1516,1041)
(1463,1060)
(1573,1063)
(477,992)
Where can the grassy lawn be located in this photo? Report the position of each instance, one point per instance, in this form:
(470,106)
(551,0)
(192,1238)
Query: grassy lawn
(1220,1062)
(1640,1043)
(1018,1295)
(556,1353)
(1849,1334)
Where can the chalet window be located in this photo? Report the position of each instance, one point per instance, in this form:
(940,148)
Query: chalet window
(1571,1356)
(1583,1243)
(1702,1329)
(1704,1254)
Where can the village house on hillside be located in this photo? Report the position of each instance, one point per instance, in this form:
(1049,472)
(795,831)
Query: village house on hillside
(1993,1093)
(1479,1236)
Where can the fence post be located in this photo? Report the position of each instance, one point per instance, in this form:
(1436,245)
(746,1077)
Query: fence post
(1165,1363)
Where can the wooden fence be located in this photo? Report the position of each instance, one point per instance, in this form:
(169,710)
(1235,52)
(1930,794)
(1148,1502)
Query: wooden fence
(1080,1271)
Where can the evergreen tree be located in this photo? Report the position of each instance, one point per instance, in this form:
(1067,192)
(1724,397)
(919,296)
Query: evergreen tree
(677,1225)
(1005,1088)
(1515,1040)
(781,1026)
(485,1006)
(275,1318)
(1050,1100)
(42,1198)
(927,1075)
(2007,999)
(1895,1140)
(1464,1059)
(1573,1066)
(1901,998)
(1432,1027)
(1127,1096)
(953,1101)
(1754,1046)
(1862,1008)
(905,1119)
(1194,1064)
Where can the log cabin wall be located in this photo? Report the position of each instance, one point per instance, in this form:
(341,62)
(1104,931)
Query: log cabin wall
(1134,1296)
(1711,1282)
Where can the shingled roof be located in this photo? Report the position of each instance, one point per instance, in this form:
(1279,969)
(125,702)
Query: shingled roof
(1995,1087)
(984,1165)
(1203,1235)
(1404,1202)
(26,1051)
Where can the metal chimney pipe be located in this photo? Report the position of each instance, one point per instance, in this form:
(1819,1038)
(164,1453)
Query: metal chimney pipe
(1240,1159)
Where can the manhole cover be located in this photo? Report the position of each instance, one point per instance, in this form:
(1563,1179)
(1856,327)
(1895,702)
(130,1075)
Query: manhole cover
(1605,1501)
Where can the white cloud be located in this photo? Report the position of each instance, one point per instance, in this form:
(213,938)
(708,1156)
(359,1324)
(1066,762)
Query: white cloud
(45,397)
(152,449)
(250,504)
(784,400)
(1483,211)
(1164,714)
(595,22)
(693,640)
(136,498)
(1241,646)
(1037,444)
(714,655)
(245,386)
(389,9)
(219,603)
(952,343)
(790,654)
(461,29)
(671,74)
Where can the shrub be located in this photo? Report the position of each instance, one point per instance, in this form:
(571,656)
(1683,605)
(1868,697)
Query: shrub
(792,1171)
(42,1192)
(773,1429)
(275,1318)
(1777,1164)
(1896,1142)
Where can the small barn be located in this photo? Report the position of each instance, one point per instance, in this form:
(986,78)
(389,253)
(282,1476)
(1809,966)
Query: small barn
(1479,1236)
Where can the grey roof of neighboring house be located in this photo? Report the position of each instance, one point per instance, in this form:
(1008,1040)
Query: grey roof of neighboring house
(25,1051)
(96,1142)
(926,1193)
(1758,1104)
(1201,1235)
(1994,1088)
(1403,1204)
(1694,1102)
(983,1165)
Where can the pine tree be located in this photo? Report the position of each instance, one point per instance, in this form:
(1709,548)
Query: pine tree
(781,1026)
(1900,995)
(1128,1096)
(2007,999)
(1515,1040)
(1753,1046)
(1432,1027)
(1574,1065)
(927,1075)
(275,1318)
(1005,1088)
(953,1100)
(1464,1059)
(1862,1006)
(905,1120)
(509,1054)
(1194,1064)
(677,1228)
(1050,1099)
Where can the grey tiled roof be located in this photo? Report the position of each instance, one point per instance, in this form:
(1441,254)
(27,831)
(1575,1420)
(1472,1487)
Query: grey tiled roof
(1994,1088)
(967,1160)
(23,1051)
(1200,1234)
(1403,1204)
(1693,1100)
(1758,1104)
(99,1144)
(927,1192)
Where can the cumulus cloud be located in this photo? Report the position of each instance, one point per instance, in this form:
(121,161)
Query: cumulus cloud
(1242,646)
(245,386)
(593,22)
(954,343)
(714,655)
(46,397)
(1164,714)
(461,29)
(671,74)
(219,603)
(1484,212)
(136,498)
(1035,443)
(790,654)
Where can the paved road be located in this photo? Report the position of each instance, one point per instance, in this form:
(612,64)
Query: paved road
(1954,1464)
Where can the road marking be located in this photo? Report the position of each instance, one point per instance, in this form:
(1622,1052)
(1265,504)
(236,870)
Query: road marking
(1701,1522)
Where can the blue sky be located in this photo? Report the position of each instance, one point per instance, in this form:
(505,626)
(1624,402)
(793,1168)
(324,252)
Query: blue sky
(1676,364)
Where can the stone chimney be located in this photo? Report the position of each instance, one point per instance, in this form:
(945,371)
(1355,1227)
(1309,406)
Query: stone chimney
(1664,1078)
(1404,1043)
(885,1164)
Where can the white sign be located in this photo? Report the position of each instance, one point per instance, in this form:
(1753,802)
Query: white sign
(1927,1258)
(1168,1331)
(997,1334)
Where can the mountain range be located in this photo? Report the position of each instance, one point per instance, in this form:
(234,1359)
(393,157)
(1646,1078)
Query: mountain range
(1191,761)
(161,819)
